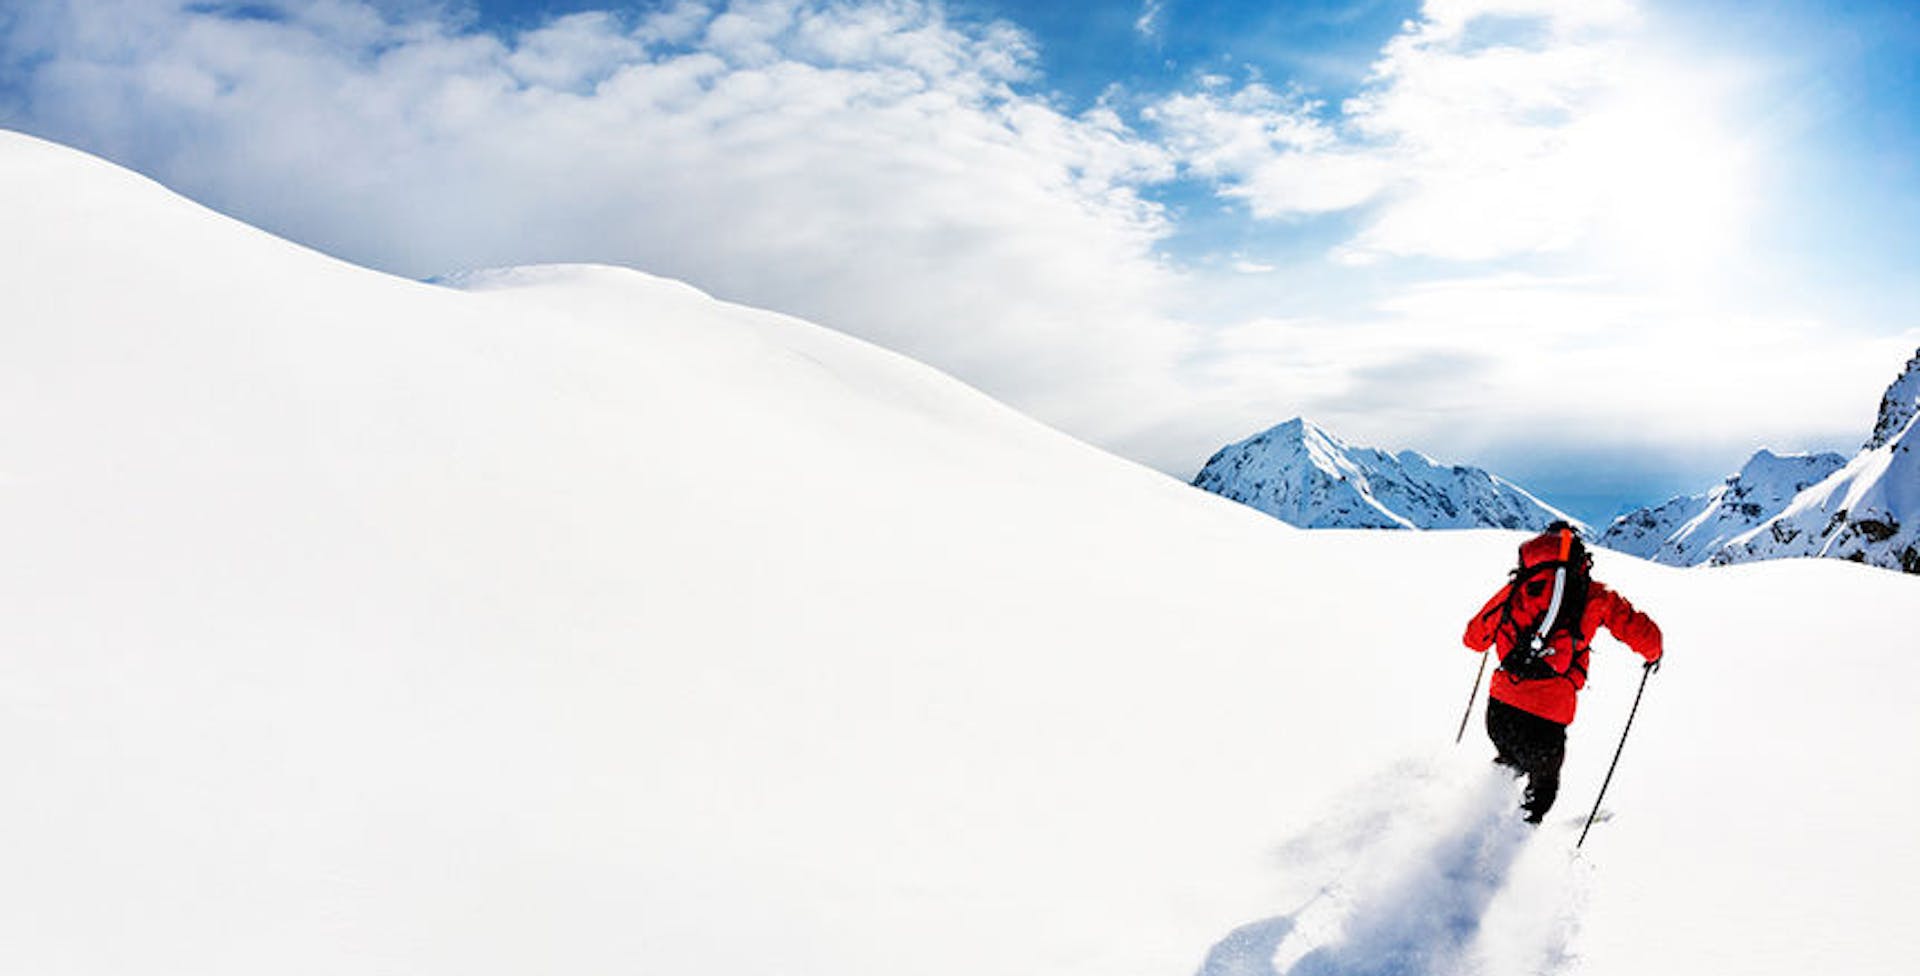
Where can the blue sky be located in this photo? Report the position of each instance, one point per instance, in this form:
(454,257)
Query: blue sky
(1607,248)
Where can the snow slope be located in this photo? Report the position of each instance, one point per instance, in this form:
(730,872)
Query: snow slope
(1303,475)
(580,623)
(1687,531)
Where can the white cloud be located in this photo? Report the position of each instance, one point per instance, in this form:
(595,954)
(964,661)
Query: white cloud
(1485,365)
(573,52)
(1515,134)
(867,165)
(1453,17)
(1510,134)
(1489,129)
(1150,19)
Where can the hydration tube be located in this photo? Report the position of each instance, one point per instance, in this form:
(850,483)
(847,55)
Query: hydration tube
(1559,591)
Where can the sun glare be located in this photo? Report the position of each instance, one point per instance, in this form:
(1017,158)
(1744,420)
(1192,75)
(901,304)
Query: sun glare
(1671,184)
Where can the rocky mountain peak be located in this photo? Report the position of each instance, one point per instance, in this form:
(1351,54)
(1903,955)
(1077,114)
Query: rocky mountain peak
(1898,406)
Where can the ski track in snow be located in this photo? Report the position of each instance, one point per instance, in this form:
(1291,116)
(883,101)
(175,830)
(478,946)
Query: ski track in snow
(1427,871)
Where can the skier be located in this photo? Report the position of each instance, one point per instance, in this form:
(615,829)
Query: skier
(1541,623)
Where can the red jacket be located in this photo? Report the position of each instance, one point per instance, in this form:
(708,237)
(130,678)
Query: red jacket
(1554,698)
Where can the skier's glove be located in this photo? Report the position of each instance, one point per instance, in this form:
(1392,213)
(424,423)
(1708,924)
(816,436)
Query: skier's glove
(1653,666)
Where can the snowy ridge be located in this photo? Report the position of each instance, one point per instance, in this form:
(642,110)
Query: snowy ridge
(1303,475)
(1687,531)
(579,622)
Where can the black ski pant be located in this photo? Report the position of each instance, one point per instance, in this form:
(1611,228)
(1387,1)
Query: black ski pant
(1532,746)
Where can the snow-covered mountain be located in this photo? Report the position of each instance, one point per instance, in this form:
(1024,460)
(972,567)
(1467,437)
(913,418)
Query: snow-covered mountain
(1688,530)
(1303,475)
(577,622)
(1868,511)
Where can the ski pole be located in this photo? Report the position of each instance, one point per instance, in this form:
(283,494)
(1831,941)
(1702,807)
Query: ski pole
(1475,693)
(1645,673)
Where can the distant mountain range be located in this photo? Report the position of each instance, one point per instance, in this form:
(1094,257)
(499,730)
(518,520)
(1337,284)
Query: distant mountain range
(1300,473)
(1866,509)
(1688,530)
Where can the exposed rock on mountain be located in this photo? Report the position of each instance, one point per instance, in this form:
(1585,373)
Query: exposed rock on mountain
(1898,406)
